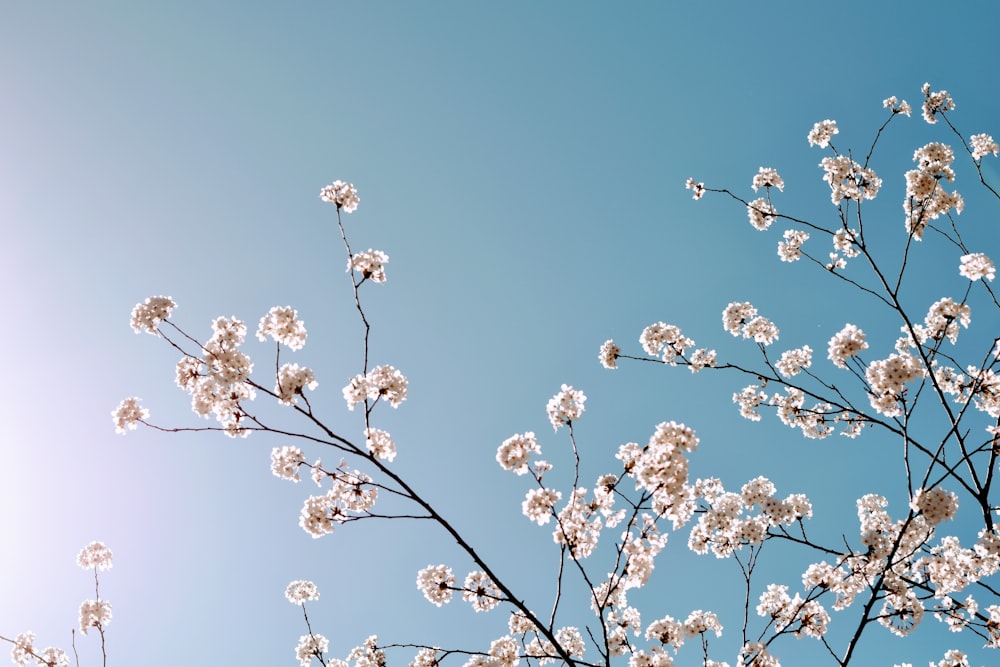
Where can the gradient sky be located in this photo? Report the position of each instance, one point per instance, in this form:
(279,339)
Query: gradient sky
(523,166)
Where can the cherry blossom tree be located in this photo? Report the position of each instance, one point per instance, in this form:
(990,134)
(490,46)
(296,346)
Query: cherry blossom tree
(935,391)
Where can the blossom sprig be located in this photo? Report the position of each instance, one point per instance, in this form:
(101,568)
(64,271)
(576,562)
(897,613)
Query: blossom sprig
(698,188)
(147,316)
(983,145)
(128,414)
(977,266)
(895,106)
(351,496)
(565,407)
(382,382)
(284,326)
(300,590)
(24,650)
(341,194)
(370,264)
(935,103)
(822,132)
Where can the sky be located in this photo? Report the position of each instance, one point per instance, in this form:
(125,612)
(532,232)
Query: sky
(522,164)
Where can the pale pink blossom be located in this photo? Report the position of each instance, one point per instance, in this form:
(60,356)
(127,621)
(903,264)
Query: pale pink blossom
(342,194)
(128,414)
(147,316)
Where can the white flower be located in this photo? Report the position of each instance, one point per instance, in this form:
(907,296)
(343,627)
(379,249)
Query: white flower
(513,453)
(846,343)
(935,504)
(310,646)
(701,358)
(761,214)
(292,379)
(299,591)
(935,103)
(316,518)
(822,132)
(94,555)
(977,266)
(53,657)
(342,194)
(285,462)
(894,105)
(666,338)
(565,407)
(380,382)
(735,314)
(849,180)
(761,329)
(793,361)
(369,264)
(380,444)
(609,354)
(283,325)
(146,316)
(480,590)
(845,240)
(23,648)
(699,188)
(789,249)
(94,614)
(983,145)
(766,178)
(128,414)
(538,504)
(427,657)
(436,582)
(505,650)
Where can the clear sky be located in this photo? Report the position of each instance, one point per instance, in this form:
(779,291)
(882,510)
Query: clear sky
(523,166)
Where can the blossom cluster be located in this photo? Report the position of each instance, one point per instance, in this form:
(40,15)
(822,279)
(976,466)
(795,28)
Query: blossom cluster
(822,132)
(284,326)
(790,250)
(370,264)
(380,444)
(565,407)
(95,613)
(285,462)
(310,646)
(342,194)
(381,382)
(24,651)
(128,414)
(742,318)
(849,180)
(766,177)
(292,379)
(666,339)
(761,213)
(977,266)
(300,590)
(513,453)
(726,525)
(895,106)
(94,556)
(147,316)
(983,145)
(608,354)
(217,381)
(699,188)
(351,494)
(935,103)
(926,199)
(803,617)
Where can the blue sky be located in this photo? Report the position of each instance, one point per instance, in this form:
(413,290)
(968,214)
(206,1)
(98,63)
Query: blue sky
(523,165)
